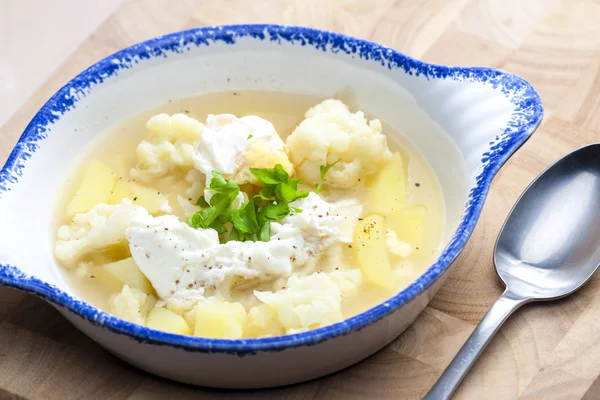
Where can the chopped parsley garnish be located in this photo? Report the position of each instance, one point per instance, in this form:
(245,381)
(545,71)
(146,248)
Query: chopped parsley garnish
(265,232)
(252,220)
(278,183)
(217,214)
(244,219)
(324,169)
(202,202)
(249,137)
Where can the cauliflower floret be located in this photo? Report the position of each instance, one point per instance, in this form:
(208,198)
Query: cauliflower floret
(262,321)
(397,246)
(307,303)
(171,144)
(97,230)
(232,145)
(330,133)
(188,208)
(184,302)
(196,179)
(348,281)
(132,305)
(257,155)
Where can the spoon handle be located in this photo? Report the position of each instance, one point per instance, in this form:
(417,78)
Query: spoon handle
(481,336)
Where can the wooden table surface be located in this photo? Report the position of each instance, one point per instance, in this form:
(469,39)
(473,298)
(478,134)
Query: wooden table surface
(545,351)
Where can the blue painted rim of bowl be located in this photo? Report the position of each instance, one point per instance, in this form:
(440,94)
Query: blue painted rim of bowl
(525,119)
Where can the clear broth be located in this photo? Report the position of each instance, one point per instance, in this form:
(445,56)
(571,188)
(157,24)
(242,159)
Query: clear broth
(116,148)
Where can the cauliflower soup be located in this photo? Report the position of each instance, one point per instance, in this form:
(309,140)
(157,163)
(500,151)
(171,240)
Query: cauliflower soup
(247,214)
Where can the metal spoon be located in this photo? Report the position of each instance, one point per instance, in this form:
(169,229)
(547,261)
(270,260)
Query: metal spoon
(548,248)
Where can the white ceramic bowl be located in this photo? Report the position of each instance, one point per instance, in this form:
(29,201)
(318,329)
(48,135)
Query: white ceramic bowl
(465,121)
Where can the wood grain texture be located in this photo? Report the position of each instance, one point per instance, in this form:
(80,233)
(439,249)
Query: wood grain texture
(549,351)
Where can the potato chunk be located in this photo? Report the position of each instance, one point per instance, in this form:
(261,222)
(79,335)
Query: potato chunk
(128,272)
(388,192)
(220,320)
(132,305)
(262,321)
(408,225)
(150,199)
(164,320)
(106,280)
(370,251)
(96,185)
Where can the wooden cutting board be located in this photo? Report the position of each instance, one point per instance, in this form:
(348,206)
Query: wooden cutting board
(545,351)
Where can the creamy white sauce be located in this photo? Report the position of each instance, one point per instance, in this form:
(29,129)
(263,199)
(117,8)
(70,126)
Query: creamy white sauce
(225,137)
(224,140)
(176,257)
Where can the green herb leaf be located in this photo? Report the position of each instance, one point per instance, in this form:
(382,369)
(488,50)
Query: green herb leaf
(219,222)
(219,227)
(244,219)
(324,169)
(287,190)
(266,192)
(249,137)
(253,219)
(265,175)
(217,214)
(278,183)
(220,185)
(236,235)
(280,174)
(202,202)
(194,221)
(217,180)
(301,194)
(289,193)
(271,176)
(296,209)
(205,218)
(264,235)
(274,211)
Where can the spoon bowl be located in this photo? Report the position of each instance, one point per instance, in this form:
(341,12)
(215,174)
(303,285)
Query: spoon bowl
(548,248)
(550,243)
